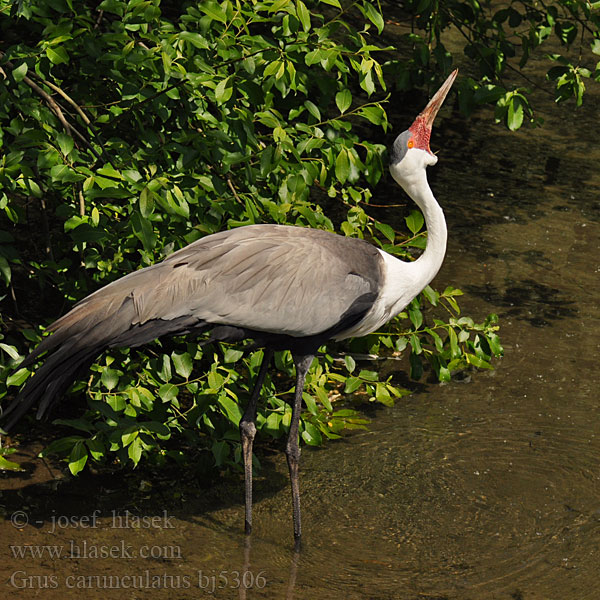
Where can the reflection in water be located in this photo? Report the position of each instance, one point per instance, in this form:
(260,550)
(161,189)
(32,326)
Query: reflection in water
(250,582)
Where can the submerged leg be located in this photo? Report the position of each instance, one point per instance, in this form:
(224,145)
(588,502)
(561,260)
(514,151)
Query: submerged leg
(248,431)
(292,448)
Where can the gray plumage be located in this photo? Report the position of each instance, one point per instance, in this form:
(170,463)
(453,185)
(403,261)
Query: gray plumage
(255,282)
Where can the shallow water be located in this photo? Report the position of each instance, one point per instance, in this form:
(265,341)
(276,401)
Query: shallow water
(488,489)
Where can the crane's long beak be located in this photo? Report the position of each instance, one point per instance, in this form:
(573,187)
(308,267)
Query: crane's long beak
(433,106)
(421,128)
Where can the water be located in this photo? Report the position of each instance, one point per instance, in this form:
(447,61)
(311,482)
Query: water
(488,489)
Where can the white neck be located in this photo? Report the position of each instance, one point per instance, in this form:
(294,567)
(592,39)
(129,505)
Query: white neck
(429,263)
(402,280)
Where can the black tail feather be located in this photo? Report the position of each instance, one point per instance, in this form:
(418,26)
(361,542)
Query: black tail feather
(65,360)
(47,386)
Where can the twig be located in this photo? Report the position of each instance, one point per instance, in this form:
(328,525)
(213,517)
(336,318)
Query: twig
(67,98)
(54,107)
(81,203)
(100,15)
(233,190)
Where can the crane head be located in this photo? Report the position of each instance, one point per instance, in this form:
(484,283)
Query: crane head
(414,142)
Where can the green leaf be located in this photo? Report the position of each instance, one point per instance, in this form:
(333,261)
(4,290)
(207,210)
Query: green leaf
(311,435)
(374,114)
(352,384)
(79,424)
(478,362)
(431,295)
(489,93)
(65,174)
(343,100)
(65,142)
(495,345)
(321,393)
(311,405)
(18,378)
(182,363)
(95,216)
(437,340)
(401,343)
(415,344)
(303,15)
(57,55)
(116,402)
(350,363)
(10,350)
(9,465)
(342,166)
(224,90)
(20,72)
(444,374)
(130,434)
(167,392)
(96,448)
(215,381)
(366,82)
(146,202)
(110,378)
(5,270)
(415,315)
(387,231)
(272,68)
(313,109)
(373,15)
(109,171)
(231,355)
(78,457)
(214,11)
(382,395)
(230,409)
(134,450)
(452,291)
(414,221)
(165,372)
(454,348)
(143,230)
(195,39)
(369,375)
(514,118)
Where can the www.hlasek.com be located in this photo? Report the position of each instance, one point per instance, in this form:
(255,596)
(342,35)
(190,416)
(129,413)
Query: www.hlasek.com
(84,549)
(207,581)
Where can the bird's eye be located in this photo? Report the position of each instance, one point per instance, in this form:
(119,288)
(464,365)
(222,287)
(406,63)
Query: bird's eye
(410,143)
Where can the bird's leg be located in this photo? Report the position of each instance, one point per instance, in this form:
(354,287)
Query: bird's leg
(248,431)
(292,449)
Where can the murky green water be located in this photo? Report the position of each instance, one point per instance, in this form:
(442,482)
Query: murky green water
(469,491)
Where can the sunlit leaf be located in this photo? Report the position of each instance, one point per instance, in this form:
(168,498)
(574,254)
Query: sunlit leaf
(343,100)
(78,457)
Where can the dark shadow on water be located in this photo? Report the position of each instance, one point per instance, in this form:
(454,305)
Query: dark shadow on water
(528,300)
(47,489)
